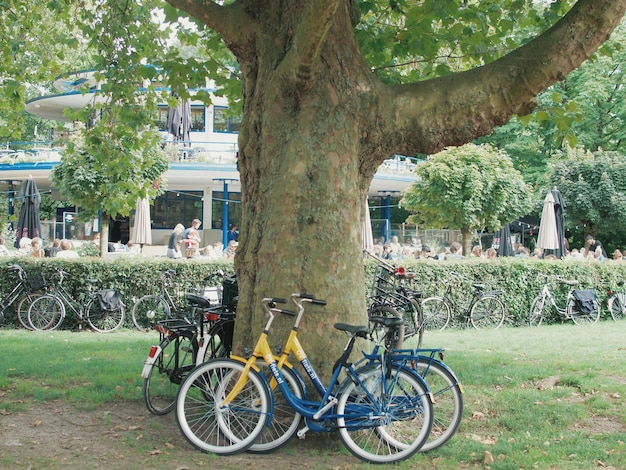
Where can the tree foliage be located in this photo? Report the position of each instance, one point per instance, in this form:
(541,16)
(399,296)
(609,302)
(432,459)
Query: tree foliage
(585,110)
(468,188)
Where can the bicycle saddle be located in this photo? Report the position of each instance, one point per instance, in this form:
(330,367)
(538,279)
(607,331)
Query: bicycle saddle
(354,330)
(198,300)
(389,322)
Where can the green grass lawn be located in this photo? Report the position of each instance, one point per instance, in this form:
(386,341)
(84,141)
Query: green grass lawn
(550,397)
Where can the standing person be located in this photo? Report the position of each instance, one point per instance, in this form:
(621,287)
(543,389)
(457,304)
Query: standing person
(37,249)
(173,247)
(233,233)
(191,237)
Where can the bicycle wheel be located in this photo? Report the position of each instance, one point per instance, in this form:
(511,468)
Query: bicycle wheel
(436,312)
(211,425)
(22,309)
(617,306)
(173,361)
(104,321)
(536,310)
(385,427)
(487,312)
(447,395)
(285,419)
(582,318)
(219,339)
(46,313)
(148,310)
(392,339)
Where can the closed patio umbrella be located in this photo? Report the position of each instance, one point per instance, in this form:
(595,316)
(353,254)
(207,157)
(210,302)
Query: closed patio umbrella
(141,233)
(559,207)
(548,238)
(179,121)
(28,224)
(502,241)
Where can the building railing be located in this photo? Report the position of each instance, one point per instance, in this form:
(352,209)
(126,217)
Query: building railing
(177,151)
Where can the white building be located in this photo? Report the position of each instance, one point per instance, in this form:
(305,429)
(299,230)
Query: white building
(200,169)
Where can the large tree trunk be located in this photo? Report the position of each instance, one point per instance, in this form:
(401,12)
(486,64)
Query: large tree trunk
(316,125)
(303,190)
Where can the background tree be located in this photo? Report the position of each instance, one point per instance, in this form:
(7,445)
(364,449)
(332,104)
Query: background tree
(98,173)
(467,188)
(593,186)
(586,110)
(331,88)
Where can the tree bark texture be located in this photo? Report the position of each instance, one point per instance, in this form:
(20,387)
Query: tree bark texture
(317,123)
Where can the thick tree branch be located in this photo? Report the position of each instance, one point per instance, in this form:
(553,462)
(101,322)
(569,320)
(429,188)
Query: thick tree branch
(458,108)
(225,19)
(317,19)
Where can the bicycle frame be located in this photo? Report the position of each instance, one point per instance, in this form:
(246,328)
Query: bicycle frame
(18,290)
(317,415)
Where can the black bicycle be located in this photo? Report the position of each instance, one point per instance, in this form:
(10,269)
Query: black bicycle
(391,296)
(102,309)
(27,289)
(184,344)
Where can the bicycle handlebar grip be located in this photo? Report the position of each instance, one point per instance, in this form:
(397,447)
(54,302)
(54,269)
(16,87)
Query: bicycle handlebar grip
(318,302)
(302,295)
(278,300)
(291,313)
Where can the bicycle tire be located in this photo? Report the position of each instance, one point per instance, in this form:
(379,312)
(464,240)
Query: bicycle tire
(219,339)
(390,427)
(285,419)
(488,312)
(103,321)
(392,339)
(149,310)
(46,313)
(436,312)
(448,403)
(617,306)
(22,309)
(210,426)
(537,310)
(172,364)
(581,318)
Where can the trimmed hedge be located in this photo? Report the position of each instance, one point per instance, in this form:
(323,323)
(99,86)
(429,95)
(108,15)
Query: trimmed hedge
(518,279)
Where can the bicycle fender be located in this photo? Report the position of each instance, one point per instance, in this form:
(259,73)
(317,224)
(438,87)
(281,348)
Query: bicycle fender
(152,355)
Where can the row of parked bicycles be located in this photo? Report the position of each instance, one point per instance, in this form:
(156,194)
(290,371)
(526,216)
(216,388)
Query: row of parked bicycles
(385,407)
(484,309)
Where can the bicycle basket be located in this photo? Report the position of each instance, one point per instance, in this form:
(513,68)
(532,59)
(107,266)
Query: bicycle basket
(586,300)
(108,299)
(384,281)
(213,294)
(36,282)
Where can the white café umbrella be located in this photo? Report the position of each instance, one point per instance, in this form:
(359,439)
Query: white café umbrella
(548,237)
(141,233)
(366,229)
